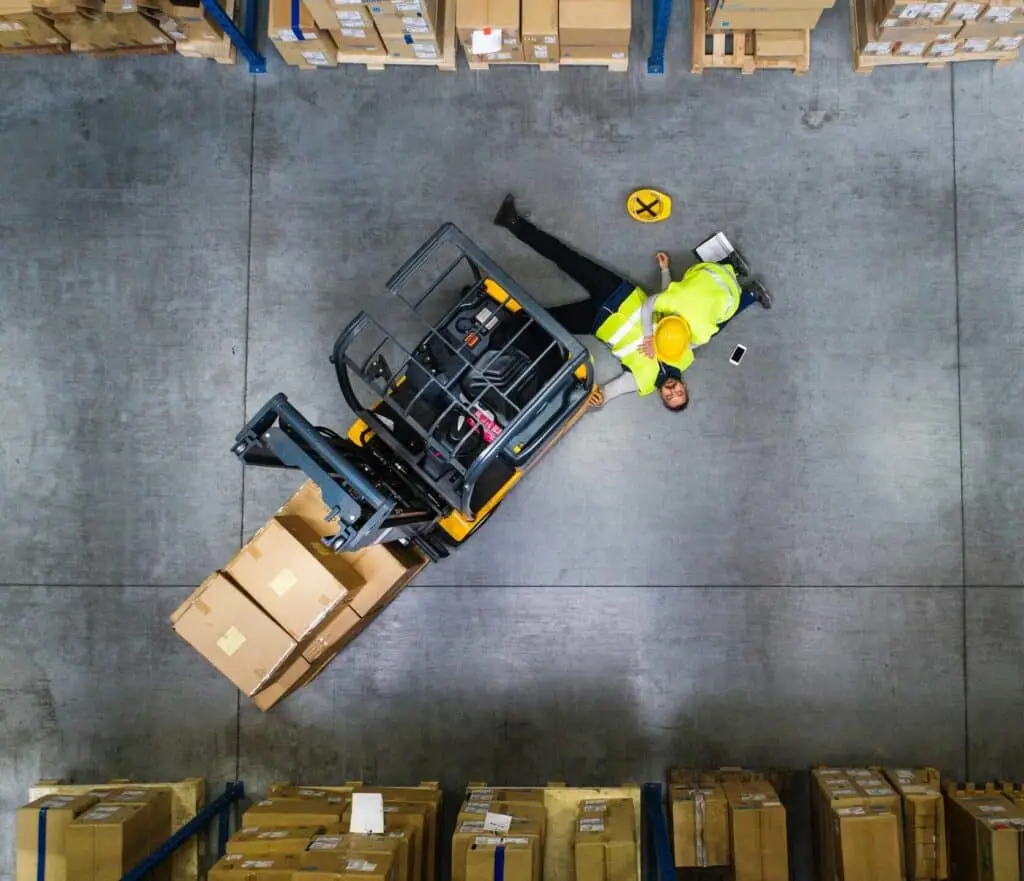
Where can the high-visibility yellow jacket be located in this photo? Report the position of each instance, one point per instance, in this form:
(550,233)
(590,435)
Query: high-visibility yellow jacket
(623,333)
(707,295)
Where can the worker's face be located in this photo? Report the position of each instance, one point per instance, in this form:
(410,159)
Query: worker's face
(673,393)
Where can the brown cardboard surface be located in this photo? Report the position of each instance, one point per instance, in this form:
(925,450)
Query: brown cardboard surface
(293,577)
(473,15)
(60,811)
(983,29)
(26,31)
(411,822)
(330,16)
(352,865)
(540,29)
(158,802)
(419,17)
(924,822)
(910,13)
(757,831)
(519,855)
(267,867)
(470,833)
(1003,11)
(105,841)
(779,44)
(519,811)
(768,19)
(15,7)
(604,841)
(985,835)
(234,634)
(594,22)
(965,10)
(404,802)
(835,788)
(700,824)
(491,794)
(397,844)
(255,840)
(289,678)
(107,32)
(283,813)
(867,844)
(924,34)
(357,41)
(407,46)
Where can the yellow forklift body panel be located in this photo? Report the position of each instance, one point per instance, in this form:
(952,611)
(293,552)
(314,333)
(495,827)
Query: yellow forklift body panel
(497,293)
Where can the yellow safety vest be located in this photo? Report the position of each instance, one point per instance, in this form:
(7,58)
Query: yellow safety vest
(623,333)
(706,296)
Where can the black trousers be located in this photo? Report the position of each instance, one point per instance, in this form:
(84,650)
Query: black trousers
(599,282)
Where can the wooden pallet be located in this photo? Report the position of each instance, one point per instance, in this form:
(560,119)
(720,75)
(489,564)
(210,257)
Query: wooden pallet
(187,797)
(448,60)
(63,49)
(620,66)
(862,31)
(162,49)
(734,50)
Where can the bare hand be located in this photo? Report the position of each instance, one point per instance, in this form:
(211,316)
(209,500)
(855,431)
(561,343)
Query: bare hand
(597,398)
(662,259)
(647,346)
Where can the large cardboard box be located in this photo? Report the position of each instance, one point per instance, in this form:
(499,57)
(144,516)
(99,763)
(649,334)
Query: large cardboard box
(470,834)
(757,831)
(727,18)
(501,858)
(965,10)
(255,840)
(519,811)
(411,821)
(924,34)
(1003,11)
(328,15)
(779,44)
(700,821)
(594,22)
(924,822)
(604,843)
(266,867)
(481,22)
(326,865)
(285,813)
(540,30)
(106,841)
(158,803)
(397,844)
(54,814)
(104,33)
(404,802)
(910,13)
(835,789)
(985,835)
(488,794)
(292,576)
(352,39)
(867,844)
(234,634)
(420,19)
(27,31)
(981,36)
(594,54)
(300,42)
(290,678)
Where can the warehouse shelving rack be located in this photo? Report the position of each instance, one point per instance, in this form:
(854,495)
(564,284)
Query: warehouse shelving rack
(656,845)
(245,42)
(662,17)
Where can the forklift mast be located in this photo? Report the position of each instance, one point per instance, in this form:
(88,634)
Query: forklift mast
(473,382)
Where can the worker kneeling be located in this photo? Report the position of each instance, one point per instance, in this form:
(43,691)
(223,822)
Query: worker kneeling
(652,337)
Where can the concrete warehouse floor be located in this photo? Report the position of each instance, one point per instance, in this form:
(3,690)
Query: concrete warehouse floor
(180,241)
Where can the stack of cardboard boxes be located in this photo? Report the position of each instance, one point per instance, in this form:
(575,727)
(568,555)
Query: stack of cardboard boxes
(879,825)
(314,33)
(499,830)
(938,29)
(780,27)
(544,31)
(604,844)
(729,817)
(301,832)
(113,26)
(285,605)
(986,834)
(102,834)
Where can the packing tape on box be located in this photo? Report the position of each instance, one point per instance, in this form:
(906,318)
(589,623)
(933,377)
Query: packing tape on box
(296,28)
(699,809)
(41,845)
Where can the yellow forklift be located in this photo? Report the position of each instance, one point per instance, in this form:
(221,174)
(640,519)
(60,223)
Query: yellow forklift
(457,394)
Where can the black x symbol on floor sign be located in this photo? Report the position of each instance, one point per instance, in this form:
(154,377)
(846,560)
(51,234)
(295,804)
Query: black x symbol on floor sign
(648,208)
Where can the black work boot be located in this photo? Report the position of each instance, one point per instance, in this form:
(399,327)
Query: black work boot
(760,292)
(507,214)
(738,262)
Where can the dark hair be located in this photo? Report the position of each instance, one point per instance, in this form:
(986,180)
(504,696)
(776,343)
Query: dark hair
(678,409)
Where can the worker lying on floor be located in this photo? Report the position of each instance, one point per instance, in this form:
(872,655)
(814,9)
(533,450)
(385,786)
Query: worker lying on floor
(653,354)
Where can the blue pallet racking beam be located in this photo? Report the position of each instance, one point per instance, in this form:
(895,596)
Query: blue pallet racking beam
(662,16)
(244,43)
(656,846)
(219,808)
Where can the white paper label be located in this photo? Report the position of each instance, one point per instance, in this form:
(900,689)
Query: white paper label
(878,791)
(851,812)
(594,807)
(965,11)
(904,773)
(481,795)
(1008,44)
(485,41)
(274,833)
(57,801)
(991,809)
(551,40)
(472,826)
(325,842)
(356,33)
(500,56)
(715,250)
(915,789)
(258,864)
(540,51)
(408,6)
(858,772)
(754,796)
(938,50)
(591,824)
(911,11)
(935,11)
(822,772)
(910,49)
(844,793)
(367,812)
(618,56)
(494,841)
(315,58)
(100,813)
(976,45)
(497,822)
(314,793)
(11,26)
(286,36)
(424,51)
(877,48)
(416,25)
(349,18)
(360,866)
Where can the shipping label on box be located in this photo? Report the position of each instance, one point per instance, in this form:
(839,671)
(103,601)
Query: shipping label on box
(965,11)
(758,838)
(1003,11)
(265,867)
(540,29)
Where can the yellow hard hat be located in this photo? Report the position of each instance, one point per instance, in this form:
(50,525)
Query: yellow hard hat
(671,338)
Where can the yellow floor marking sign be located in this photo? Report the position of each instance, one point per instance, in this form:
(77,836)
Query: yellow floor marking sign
(648,206)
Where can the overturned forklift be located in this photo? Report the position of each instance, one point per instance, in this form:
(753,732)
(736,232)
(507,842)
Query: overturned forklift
(457,394)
